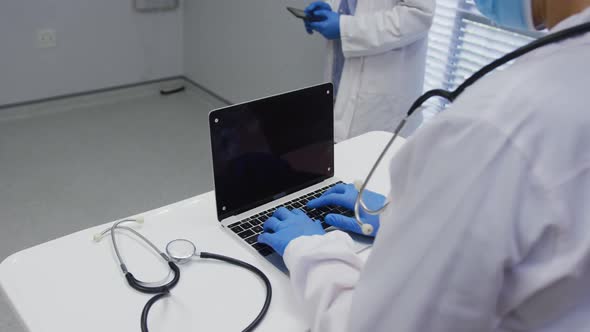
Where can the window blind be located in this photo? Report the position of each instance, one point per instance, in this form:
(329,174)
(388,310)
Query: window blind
(461,42)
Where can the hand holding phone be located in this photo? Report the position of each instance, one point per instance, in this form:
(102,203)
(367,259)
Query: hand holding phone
(300,13)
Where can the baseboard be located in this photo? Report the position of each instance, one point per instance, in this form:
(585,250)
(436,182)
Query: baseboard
(114,88)
(92,98)
(204,88)
(91,92)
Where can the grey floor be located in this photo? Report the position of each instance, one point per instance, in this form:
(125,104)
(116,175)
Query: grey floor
(65,171)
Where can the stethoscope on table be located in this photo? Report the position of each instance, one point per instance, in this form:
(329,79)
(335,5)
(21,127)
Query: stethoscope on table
(178,251)
(367,229)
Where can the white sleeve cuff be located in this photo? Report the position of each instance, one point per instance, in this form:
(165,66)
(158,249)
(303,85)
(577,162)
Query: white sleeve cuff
(334,242)
(345,35)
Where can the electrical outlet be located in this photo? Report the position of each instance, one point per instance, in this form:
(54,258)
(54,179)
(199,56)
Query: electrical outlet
(46,38)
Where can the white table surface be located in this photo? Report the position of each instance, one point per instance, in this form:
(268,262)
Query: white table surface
(74,284)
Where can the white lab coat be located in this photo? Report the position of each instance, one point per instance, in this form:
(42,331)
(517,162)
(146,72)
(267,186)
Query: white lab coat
(489,226)
(384,46)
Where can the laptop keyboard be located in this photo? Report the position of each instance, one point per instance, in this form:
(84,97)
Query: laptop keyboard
(249,228)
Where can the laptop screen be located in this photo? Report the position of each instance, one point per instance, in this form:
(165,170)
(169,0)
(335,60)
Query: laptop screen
(271,147)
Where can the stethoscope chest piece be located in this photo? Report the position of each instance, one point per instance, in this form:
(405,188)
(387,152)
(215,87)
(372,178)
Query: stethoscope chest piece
(181,251)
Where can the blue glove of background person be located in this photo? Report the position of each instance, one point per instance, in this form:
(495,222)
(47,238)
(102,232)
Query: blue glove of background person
(329,27)
(345,195)
(309,11)
(285,226)
(317,5)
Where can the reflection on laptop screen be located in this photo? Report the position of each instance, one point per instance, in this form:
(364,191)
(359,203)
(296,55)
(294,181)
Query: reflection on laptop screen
(271,147)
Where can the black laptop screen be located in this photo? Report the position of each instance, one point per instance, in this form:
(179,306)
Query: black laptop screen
(271,147)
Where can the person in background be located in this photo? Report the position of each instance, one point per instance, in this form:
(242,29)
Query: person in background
(377,55)
(488,228)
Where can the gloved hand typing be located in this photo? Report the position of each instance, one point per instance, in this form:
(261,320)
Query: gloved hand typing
(329,27)
(345,195)
(285,226)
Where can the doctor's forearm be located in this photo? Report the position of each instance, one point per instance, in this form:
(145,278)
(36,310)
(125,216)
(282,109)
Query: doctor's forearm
(383,31)
(324,273)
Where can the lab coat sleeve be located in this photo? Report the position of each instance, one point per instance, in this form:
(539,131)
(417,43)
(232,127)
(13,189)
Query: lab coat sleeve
(383,31)
(324,271)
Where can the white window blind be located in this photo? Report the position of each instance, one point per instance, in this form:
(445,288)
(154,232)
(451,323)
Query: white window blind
(461,42)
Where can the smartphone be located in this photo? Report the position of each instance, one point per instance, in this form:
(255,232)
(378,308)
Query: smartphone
(300,13)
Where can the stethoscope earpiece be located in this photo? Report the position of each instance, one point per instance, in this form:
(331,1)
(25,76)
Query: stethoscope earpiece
(139,285)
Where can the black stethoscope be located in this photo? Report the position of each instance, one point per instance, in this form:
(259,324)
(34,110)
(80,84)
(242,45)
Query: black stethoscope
(359,204)
(178,251)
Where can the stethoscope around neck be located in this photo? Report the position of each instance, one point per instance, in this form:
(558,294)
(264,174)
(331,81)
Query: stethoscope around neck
(359,205)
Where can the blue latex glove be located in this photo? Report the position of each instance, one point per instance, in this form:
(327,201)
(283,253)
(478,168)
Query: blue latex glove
(310,11)
(317,5)
(345,195)
(330,26)
(285,226)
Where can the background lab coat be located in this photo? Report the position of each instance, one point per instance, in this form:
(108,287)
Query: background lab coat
(489,227)
(385,45)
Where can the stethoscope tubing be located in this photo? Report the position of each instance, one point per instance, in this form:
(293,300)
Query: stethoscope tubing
(233,261)
(140,286)
(164,290)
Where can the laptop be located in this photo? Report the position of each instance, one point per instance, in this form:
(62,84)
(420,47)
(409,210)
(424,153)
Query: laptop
(273,152)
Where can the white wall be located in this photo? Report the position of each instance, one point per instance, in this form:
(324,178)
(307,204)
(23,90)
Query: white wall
(247,49)
(100,43)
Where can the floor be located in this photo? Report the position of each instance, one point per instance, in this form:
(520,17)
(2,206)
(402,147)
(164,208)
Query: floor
(76,167)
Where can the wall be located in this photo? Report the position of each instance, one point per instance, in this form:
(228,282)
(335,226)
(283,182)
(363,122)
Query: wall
(243,50)
(100,43)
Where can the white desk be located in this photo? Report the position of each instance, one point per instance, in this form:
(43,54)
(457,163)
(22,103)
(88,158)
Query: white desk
(73,284)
